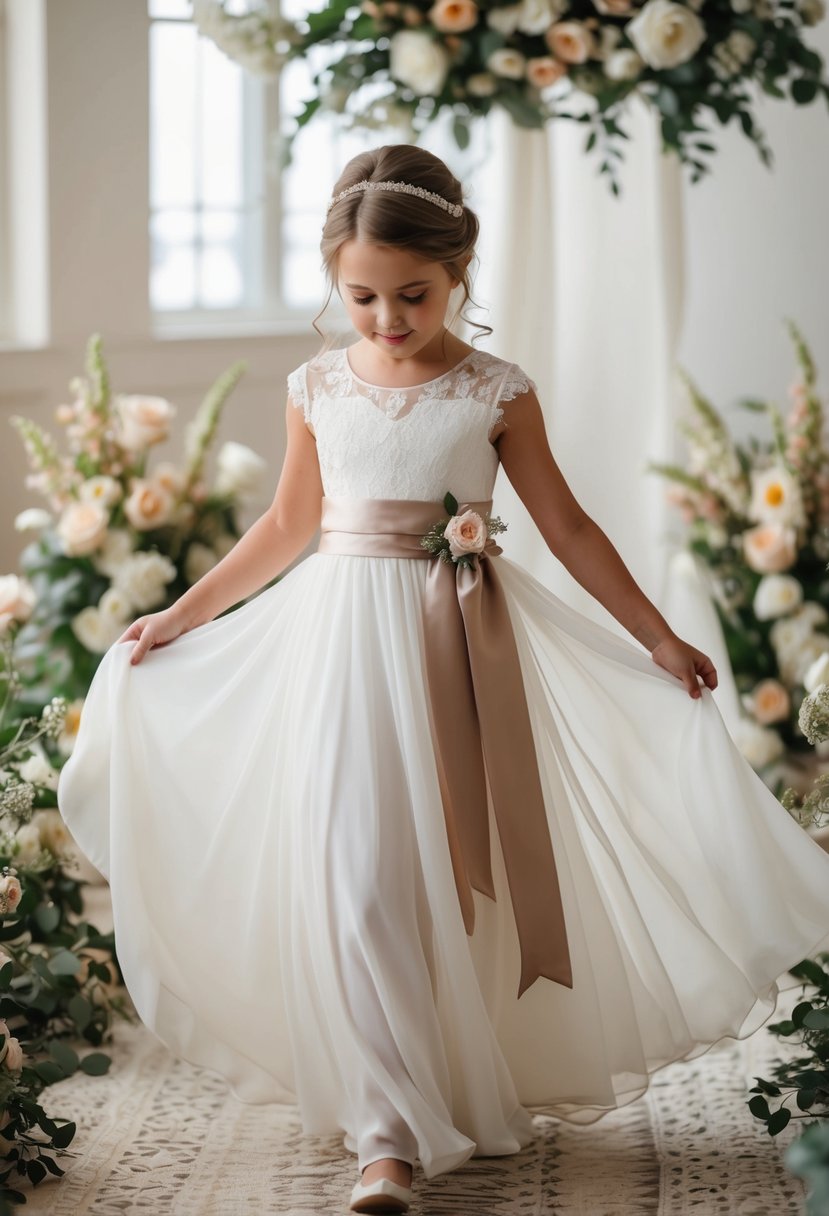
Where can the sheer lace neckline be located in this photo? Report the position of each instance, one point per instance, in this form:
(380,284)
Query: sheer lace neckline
(400,388)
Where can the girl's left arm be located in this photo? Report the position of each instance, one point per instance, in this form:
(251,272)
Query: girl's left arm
(583,548)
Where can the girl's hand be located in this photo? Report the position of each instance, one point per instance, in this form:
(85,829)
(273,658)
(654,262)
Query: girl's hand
(685,661)
(157,629)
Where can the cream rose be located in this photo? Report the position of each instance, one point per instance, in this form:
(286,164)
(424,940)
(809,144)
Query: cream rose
(507,62)
(169,476)
(776,595)
(613,8)
(26,843)
(760,745)
(466,533)
(239,470)
(811,11)
(71,723)
(666,34)
(418,60)
(114,605)
(142,578)
(10,892)
(117,546)
(769,702)
(94,630)
(142,421)
(37,769)
(571,41)
(624,64)
(454,16)
(770,548)
(54,834)
(545,71)
(149,504)
(17,597)
(82,527)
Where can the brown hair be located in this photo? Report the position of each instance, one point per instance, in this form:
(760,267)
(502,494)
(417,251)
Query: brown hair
(399,219)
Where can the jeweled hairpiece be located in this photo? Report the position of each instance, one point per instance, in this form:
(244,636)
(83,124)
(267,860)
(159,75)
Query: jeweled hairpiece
(453,208)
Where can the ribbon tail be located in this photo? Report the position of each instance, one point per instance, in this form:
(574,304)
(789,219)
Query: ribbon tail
(514,781)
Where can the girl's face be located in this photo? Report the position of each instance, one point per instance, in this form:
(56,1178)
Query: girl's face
(391,291)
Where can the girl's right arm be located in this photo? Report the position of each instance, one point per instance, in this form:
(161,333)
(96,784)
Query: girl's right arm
(266,548)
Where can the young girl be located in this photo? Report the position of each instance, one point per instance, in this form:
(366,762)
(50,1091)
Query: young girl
(412,843)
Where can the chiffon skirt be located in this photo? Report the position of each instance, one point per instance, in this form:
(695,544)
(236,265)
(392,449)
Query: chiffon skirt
(263,798)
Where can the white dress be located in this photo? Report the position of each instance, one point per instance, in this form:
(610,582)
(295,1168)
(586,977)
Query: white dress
(263,797)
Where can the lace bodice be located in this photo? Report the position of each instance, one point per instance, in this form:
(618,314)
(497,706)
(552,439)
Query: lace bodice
(413,442)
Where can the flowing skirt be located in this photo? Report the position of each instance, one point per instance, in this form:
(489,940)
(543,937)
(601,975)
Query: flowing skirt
(263,798)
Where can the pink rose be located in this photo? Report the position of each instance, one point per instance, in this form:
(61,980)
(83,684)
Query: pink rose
(466,533)
(570,41)
(770,548)
(454,16)
(544,71)
(10,893)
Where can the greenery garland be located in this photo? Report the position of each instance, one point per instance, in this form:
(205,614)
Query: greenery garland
(688,59)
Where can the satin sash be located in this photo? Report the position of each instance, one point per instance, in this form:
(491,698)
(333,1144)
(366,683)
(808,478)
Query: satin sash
(479,721)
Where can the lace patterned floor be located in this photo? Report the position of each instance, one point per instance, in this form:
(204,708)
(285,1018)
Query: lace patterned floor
(158,1135)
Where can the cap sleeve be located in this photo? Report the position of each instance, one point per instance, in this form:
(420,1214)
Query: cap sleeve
(515,381)
(298,388)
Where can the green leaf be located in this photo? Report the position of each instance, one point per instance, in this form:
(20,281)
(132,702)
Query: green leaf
(817,1019)
(96,1063)
(80,1011)
(804,90)
(37,1171)
(64,963)
(47,917)
(779,1120)
(63,1135)
(451,503)
(759,1107)
(49,1071)
(64,1055)
(806,1098)
(799,1012)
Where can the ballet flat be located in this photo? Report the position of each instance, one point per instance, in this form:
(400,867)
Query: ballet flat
(382,1195)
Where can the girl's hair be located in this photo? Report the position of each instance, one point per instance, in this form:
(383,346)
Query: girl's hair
(399,219)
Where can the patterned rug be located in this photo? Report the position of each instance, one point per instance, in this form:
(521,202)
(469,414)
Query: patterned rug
(158,1135)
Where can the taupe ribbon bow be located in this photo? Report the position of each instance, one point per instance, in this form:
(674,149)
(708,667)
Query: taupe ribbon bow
(479,721)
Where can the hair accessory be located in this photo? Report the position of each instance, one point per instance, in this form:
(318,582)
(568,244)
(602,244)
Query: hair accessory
(453,208)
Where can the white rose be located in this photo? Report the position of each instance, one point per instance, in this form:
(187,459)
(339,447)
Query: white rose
(239,470)
(149,504)
(504,19)
(776,595)
(142,578)
(535,16)
(625,64)
(787,634)
(37,769)
(54,834)
(817,673)
(666,34)
(32,519)
(419,61)
(82,527)
(811,613)
(95,631)
(17,597)
(507,62)
(200,558)
(796,665)
(114,605)
(776,498)
(760,745)
(769,548)
(466,533)
(26,843)
(116,548)
(105,490)
(481,84)
(142,421)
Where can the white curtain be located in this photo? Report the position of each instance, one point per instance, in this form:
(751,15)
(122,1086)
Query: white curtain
(585,290)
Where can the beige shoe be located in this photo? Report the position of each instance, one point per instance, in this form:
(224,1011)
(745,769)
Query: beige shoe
(382,1195)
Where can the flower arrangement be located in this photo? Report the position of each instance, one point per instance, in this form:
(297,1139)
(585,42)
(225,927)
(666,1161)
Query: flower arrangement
(59,976)
(463,537)
(757,516)
(685,58)
(121,537)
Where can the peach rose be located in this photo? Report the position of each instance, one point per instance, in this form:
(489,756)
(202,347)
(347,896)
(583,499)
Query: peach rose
(613,8)
(10,892)
(544,71)
(148,505)
(82,527)
(770,548)
(466,533)
(454,16)
(17,598)
(570,41)
(142,421)
(769,702)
